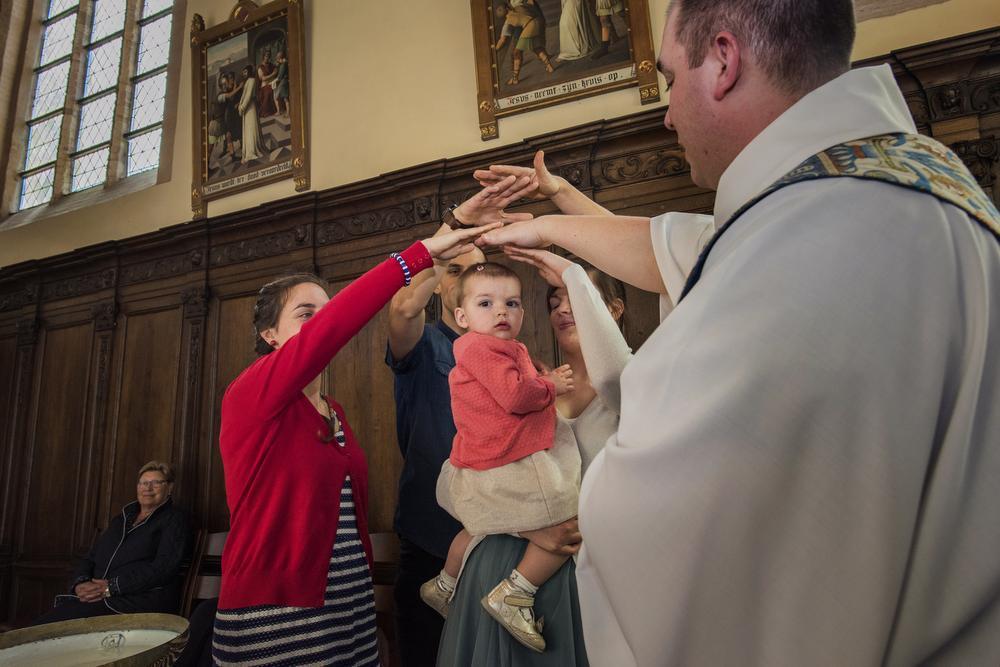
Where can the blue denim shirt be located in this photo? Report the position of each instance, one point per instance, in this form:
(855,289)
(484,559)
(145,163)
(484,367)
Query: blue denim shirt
(425,430)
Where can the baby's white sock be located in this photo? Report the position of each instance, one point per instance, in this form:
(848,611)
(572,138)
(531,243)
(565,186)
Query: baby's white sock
(522,584)
(446,582)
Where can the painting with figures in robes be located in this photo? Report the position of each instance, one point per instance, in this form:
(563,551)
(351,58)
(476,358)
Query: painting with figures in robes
(535,53)
(249,79)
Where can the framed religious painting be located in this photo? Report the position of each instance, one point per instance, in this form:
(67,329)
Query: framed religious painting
(249,101)
(535,53)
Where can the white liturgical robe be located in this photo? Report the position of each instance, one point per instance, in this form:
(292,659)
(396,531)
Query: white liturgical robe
(807,468)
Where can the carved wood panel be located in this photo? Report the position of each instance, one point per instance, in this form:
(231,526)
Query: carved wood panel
(8,365)
(53,479)
(229,351)
(144,415)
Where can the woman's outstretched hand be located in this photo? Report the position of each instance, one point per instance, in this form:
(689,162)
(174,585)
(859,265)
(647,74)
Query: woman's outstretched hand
(550,265)
(453,244)
(541,184)
(487,206)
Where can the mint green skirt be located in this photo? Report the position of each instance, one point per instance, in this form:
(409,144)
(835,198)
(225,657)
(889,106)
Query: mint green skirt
(471,637)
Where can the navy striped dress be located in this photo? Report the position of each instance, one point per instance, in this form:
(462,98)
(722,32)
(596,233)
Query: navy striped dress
(341,632)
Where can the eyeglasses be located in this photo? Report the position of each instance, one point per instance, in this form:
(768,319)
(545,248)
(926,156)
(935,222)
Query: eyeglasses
(152,483)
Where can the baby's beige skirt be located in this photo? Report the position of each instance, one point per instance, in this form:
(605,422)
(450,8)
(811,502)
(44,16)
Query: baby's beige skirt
(540,490)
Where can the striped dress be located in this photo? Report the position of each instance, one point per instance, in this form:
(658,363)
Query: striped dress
(341,632)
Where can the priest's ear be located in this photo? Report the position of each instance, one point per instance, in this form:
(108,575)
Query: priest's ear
(726,58)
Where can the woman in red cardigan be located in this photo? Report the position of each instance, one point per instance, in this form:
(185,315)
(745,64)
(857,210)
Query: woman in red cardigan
(296,582)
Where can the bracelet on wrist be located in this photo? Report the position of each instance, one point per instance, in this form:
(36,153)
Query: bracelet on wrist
(407,276)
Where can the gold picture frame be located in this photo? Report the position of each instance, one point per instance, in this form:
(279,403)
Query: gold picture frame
(532,54)
(249,102)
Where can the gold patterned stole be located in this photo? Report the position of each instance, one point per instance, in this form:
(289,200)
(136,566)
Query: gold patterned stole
(905,160)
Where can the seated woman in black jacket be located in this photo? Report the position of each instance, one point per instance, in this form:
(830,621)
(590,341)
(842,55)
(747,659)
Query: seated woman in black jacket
(133,567)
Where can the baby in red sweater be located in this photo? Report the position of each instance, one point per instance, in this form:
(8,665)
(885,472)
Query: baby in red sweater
(504,475)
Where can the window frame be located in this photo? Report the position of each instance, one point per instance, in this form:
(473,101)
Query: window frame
(117,182)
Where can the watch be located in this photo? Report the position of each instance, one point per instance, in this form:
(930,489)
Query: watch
(448,218)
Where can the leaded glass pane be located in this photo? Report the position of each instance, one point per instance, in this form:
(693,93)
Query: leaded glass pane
(90,169)
(43,143)
(96,121)
(151,7)
(37,188)
(59,6)
(144,152)
(154,44)
(50,90)
(58,39)
(102,67)
(109,18)
(147,105)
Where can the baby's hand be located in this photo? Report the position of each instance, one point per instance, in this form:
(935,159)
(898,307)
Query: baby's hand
(562,377)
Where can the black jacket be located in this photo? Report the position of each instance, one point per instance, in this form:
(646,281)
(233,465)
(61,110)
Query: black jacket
(141,563)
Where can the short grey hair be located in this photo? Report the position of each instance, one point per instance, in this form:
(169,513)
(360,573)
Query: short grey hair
(165,469)
(799,44)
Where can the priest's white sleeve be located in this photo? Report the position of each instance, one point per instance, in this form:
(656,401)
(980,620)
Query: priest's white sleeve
(677,241)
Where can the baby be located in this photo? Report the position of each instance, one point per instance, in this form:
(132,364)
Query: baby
(503,476)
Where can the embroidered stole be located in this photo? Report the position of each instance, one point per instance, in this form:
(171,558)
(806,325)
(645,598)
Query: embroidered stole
(905,160)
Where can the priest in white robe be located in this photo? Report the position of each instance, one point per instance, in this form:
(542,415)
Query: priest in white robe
(807,470)
(578,30)
(253,142)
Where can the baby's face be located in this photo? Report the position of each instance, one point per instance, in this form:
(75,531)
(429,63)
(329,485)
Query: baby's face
(492,306)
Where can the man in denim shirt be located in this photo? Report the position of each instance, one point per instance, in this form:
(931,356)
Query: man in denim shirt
(420,356)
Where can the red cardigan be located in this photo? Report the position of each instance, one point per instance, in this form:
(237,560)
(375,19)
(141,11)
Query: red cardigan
(503,409)
(282,482)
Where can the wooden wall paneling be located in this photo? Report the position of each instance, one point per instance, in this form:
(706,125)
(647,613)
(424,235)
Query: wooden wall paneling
(89,518)
(360,381)
(8,459)
(56,474)
(228,350)
(33,587)
(194,301)
(56,464)
(144,425)
(8,393)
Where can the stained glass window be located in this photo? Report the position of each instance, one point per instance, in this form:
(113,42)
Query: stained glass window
(144,152)
(57,7)
(90,169)
(123,48)
(57,42)
(96,121)
(154,44)
(151,7)
(43,142)
(50,89)
(37,188)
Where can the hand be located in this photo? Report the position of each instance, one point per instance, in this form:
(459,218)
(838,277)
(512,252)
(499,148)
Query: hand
(90,591)
(525,234)
(453,244)
(562,377)
(563,539)
(543,184)
(550,265)
(487,206)
(540,366)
